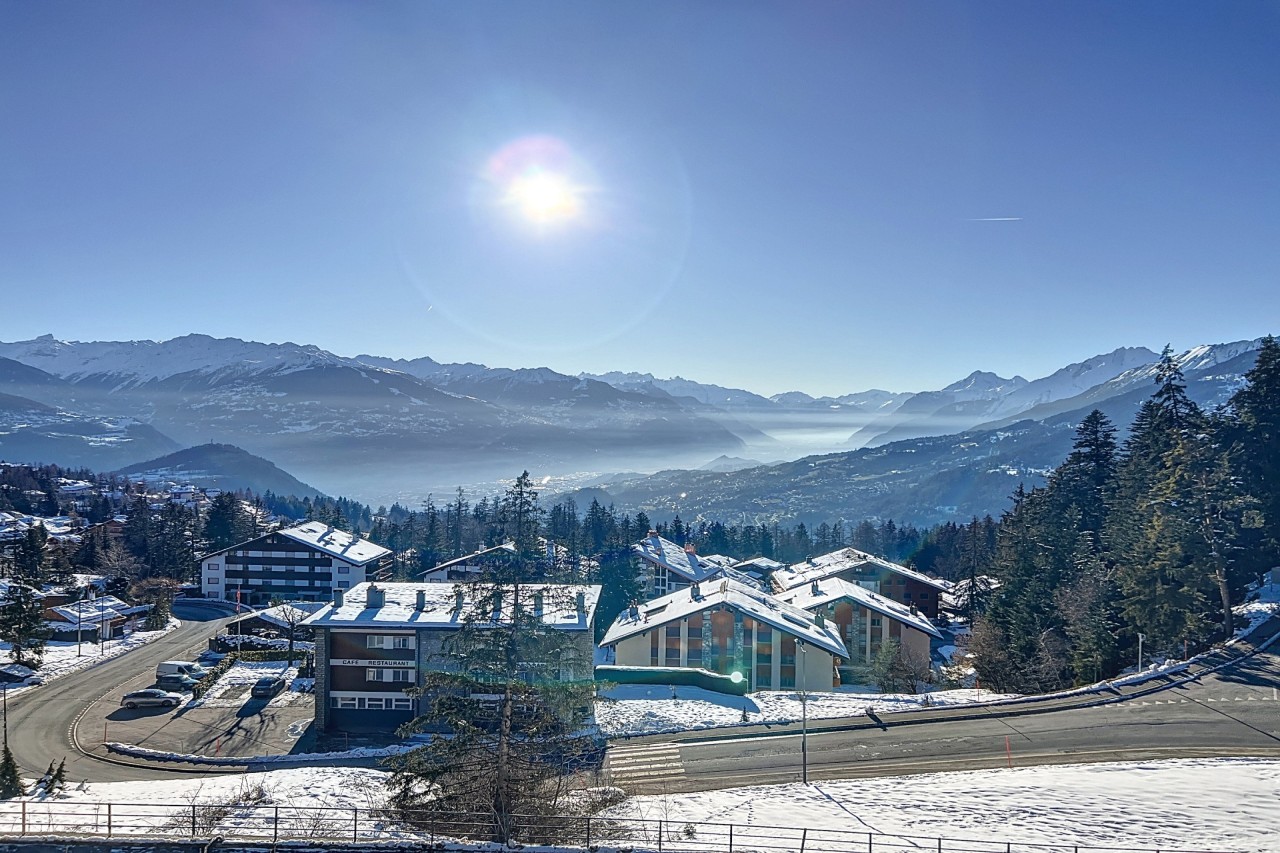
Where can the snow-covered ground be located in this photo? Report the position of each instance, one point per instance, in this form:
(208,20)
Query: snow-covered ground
(232,689)
(61,658)
(1218,804)
(1221,804)
(642,709)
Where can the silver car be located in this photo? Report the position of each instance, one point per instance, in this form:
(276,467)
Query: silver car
(150,698)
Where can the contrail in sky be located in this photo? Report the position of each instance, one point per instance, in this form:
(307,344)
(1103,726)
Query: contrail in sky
(998,219)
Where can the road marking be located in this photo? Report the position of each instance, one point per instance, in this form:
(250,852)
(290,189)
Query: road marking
(641,764)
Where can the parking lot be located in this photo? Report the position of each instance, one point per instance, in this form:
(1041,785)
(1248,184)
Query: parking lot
(227,722)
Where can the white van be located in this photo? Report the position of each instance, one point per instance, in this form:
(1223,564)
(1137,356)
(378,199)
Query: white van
(181,667)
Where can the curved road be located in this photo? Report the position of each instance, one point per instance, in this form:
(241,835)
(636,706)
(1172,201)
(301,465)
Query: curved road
(1232,712)
(40,720)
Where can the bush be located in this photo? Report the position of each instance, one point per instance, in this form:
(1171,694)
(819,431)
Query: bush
(219,670)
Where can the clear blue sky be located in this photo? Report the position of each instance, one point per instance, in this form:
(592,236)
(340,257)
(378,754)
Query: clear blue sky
(775,196)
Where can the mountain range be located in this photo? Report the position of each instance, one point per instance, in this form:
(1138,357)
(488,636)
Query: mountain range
(381,429)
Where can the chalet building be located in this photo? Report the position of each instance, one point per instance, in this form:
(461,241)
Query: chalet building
(89,619)
(472,566)
(304,563)
(894,582)
(864,621)
(670,567)
(728,627)
(377,640)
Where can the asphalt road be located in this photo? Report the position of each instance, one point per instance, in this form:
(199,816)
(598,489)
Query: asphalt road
(1233,712)
(40,720)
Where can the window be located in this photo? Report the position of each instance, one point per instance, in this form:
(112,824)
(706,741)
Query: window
(405,704)
(402,643)
(344,584)
(373,704)
(344,570)
(213,581)
(673,644)
(344,702)
(374,673)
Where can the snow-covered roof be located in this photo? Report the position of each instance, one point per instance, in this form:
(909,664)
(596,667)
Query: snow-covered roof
(90,610)
(335,542)
(505,548)
(759,564)
(282,614)
(674,558)
(817,568)
(399,606)
(736,596)
(828,590)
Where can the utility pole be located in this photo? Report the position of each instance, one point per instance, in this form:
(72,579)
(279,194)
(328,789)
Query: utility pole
(804,719)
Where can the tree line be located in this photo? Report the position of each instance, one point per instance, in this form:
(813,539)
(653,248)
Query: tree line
(1156,536)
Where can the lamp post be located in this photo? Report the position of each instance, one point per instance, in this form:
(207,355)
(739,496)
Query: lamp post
(1141,637)
(804,719)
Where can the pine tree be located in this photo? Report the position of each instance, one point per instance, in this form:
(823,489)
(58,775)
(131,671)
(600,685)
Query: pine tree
(1256,410)
(512,722)
(59,779)
(10,780)
(22,625)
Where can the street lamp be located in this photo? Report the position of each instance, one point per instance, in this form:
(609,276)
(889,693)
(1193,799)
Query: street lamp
(804,718)
(1141,637)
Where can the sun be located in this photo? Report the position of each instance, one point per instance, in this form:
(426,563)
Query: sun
(543,197)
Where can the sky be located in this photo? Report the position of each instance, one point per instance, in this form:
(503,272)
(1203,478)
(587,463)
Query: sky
(816,196)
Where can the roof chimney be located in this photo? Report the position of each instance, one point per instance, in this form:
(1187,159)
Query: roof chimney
(690,548)
(581,601)
(694,593)
(338,595)
(537,604)
(421,603)
(814,588)
(457,599)
(819,619)
(375,597)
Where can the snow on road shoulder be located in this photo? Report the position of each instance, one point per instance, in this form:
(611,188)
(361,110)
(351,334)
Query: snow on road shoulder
(642,709)
(1179,804)
(63,657)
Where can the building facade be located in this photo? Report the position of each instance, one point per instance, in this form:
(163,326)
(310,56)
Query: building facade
(379,639)
(726,626)
(305,562)
(896,583)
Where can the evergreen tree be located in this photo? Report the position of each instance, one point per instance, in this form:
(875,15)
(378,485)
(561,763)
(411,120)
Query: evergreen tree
(227,523)
(512,722)
(22,625)
(29,557)
(1256,433)
(10,779)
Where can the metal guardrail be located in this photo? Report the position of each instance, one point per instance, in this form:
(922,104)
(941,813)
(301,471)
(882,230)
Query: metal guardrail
(263,822)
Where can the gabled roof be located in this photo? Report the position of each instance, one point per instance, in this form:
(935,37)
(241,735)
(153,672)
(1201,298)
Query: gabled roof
(89,611)
(324,538)
(817,568)
(686,563)
(506,548)
(440,610)
(736,596)
(335,542)
(828,590)
(672,557)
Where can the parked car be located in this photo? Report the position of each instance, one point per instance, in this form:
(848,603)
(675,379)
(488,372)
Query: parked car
(151,698)
(210,657)
(176,682)
(267,686)
(181,667)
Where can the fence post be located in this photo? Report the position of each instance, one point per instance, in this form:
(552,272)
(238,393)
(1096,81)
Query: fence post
(939,845)
(588,831)
(730,838)
(659,835)
(193,820)
(24,818)
(804,836)
(355,825)
(870,843)
(108,820)
(275,826)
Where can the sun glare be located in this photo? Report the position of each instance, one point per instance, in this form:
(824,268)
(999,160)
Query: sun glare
(539,180)
(544,197)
